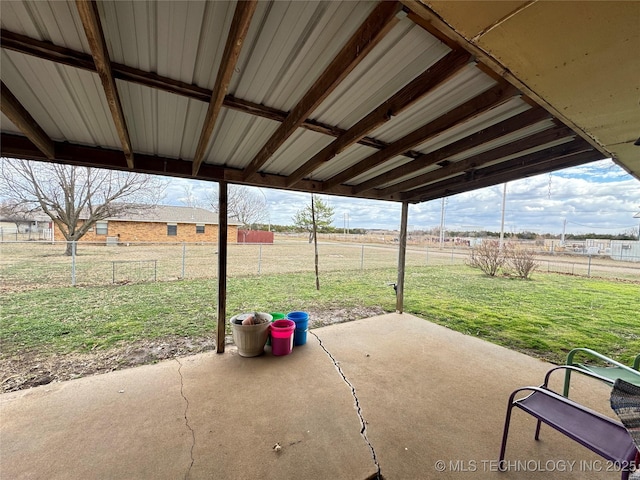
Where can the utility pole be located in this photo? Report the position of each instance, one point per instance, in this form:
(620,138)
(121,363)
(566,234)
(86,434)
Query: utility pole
(504,201)
(442,224)
(564,227)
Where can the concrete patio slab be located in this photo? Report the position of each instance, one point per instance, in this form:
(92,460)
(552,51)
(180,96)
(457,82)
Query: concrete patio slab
(432,401)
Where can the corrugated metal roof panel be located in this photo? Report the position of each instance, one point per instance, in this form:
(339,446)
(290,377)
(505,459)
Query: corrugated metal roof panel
(468,83)
(7,125)
(279,64)
(57,22)
(504,140)
(403,54)
(516,155)
(302,144)
(380,169)
(180,40)
(344,160)
(237,138)
(503,111)
(68,103)
(176,136)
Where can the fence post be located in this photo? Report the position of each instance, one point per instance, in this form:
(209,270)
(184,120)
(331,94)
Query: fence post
(155,270)
(113,272)
(362,258)
(73,263)
(184,253)
(426,258)
(589,268)
(259,258)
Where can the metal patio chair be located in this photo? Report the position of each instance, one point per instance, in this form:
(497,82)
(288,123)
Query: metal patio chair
(593,430)
(612,370)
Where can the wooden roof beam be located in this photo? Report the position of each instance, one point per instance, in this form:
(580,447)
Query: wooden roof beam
(481,159)
(22,119)
(73,58)
(93,30)
(543,161)
(375,27)
(237,33)
(470,109)
(493,132)
(405,97)
(18,146)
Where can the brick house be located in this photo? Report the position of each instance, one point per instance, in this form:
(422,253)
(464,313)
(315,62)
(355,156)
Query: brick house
(159,223)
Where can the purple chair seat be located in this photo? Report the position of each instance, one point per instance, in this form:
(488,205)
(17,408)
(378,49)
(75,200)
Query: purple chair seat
(599,433)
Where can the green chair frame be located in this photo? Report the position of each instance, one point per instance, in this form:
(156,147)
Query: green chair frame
(612,371)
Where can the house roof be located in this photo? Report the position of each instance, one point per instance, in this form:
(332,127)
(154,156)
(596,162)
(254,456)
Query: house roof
(170,214)
(398,101)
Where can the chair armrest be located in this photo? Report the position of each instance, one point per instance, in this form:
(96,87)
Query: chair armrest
(634,369)
(571,368)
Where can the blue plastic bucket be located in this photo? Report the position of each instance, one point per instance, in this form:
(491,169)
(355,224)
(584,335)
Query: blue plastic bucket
(302,326)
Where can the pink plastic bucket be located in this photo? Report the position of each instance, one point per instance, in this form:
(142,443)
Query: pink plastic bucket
(282,336)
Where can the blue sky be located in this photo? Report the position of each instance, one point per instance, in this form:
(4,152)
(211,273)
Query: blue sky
(598,197)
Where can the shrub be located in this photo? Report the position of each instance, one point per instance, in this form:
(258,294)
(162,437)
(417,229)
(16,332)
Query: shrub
(521,260)
(487,257)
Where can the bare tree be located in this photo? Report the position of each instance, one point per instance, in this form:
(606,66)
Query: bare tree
(75,198)
(12,211)
(189,199)
(244,204)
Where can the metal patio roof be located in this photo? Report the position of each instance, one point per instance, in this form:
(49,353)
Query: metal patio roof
(402,101)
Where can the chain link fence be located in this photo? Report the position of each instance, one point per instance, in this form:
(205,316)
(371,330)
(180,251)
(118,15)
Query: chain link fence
(37,264)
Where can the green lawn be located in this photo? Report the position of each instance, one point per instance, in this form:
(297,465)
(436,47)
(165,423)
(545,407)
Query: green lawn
(545,317)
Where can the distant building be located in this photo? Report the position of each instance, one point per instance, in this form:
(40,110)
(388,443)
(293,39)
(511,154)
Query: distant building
(625,250)
(159,223)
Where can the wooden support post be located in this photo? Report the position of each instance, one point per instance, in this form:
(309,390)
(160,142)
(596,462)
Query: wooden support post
(402,255)
(222,266)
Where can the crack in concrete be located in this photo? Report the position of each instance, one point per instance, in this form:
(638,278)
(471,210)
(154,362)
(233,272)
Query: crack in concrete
(363,423)
(186,420)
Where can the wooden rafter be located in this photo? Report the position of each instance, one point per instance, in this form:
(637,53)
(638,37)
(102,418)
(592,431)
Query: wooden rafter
(22,119)
(374,28)
(534,163)
(470,109)
(408,95)
(481,137)
(89,16)
(481,159)
(237,33)
(73,58)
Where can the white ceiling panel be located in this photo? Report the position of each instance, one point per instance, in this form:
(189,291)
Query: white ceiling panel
(468,83)
(237,138)
(68,103)
(403,54)
(279,64)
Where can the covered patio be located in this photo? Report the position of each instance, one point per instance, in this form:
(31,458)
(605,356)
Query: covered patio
(432,403)
(399,101)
